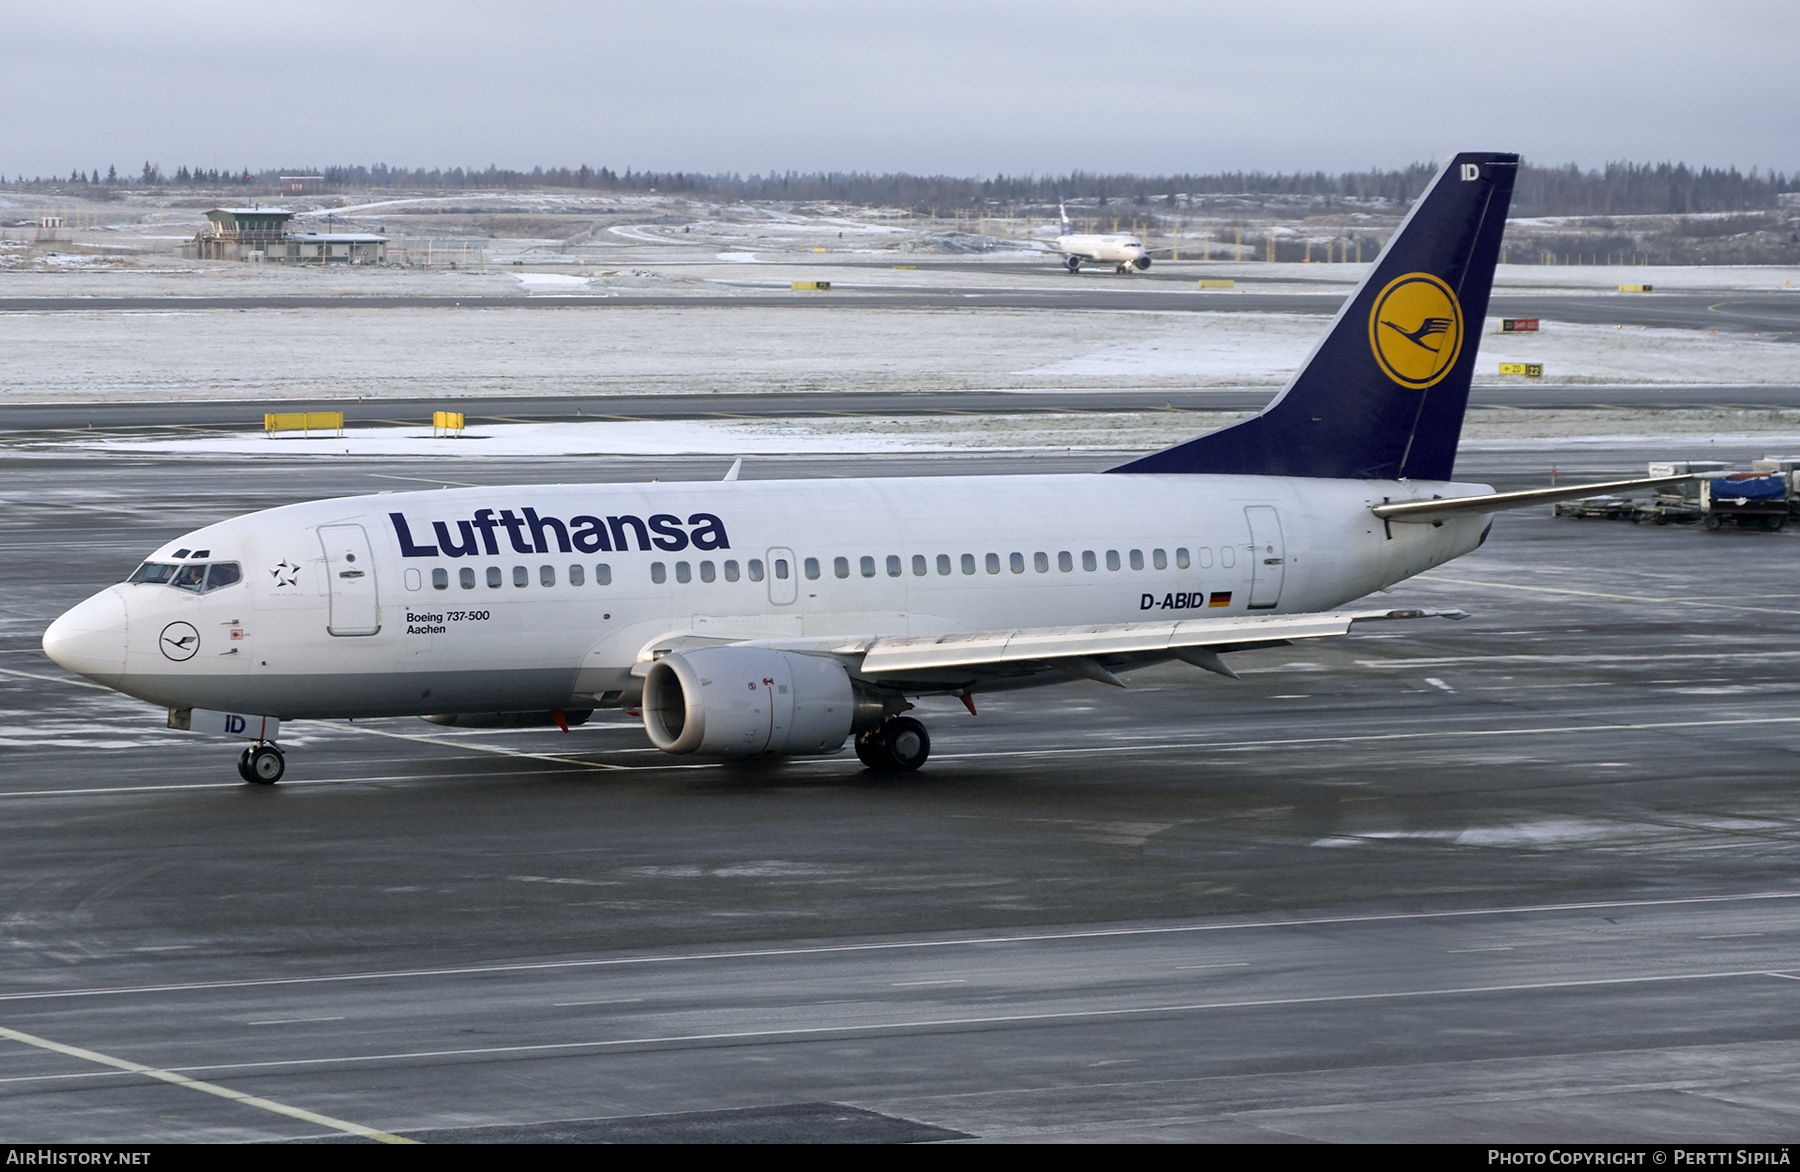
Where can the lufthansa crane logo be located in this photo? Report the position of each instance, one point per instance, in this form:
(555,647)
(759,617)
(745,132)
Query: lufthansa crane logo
(1416,330)
(179,641)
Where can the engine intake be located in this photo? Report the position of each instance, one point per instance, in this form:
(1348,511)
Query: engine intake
(753,701)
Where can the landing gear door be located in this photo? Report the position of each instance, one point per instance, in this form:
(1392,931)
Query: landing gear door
(350,578)
(1268,557)
(784,577)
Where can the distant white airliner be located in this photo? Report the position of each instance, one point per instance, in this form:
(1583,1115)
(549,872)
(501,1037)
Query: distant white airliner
(786,617)
(1124,253)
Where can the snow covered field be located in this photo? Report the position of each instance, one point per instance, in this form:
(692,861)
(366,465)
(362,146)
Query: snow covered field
(1686,432)
(278,354)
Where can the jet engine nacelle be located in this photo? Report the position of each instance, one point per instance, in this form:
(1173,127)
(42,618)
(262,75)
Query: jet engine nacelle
(753,701)
(1142,262)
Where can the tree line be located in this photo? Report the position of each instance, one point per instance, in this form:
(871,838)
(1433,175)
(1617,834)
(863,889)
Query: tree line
(1620,188)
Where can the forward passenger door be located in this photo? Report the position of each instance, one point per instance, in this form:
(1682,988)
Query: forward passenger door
(350,579)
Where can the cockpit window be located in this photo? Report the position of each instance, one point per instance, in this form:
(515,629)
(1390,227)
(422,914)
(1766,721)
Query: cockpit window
(198,578)
(155,573)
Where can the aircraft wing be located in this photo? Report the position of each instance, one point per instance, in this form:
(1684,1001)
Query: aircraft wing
(1085,650)
(1494,502)
(949,662)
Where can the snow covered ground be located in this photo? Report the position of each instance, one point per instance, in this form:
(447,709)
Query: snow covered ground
(1692,433)
(270,355)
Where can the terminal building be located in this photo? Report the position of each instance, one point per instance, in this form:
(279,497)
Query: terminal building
(261,234)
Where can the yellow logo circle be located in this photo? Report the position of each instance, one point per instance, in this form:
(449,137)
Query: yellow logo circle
(1416,330)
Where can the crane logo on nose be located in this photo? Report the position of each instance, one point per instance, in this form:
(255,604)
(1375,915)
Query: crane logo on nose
(179,641)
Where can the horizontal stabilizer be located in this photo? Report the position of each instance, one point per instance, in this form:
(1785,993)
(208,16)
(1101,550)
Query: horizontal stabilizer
(1494,502)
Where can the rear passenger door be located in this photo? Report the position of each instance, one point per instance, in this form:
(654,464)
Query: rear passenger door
(350,579)
(1268,557)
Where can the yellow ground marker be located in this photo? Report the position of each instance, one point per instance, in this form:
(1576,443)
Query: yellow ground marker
(182,1080)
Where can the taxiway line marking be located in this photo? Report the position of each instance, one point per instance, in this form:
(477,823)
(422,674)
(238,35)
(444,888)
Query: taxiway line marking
(194,1084)
(497,749)
(1001,1019)
(1676,601)
(1350,738)
(894,945)
(32,675)
(428,480)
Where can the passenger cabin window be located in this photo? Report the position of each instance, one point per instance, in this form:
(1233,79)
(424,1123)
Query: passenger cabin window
(521,576)
(1181,557)
(1137,559)
(731,571)
(1087,560)
(968,563)
(1065,562)
(1112,559)
(867,567)
(1016,563)
(811,566)
(993,563)
(840,567)
(708,572)
(683,572)
(603,575)
(466,576)
(918,565)
(546,575)
(440,579)
(1159,558)
(659,573)
(1204,553)
(577,575)
(893,566)
(755,566)
(1227,556)
(943,564)
(1040,562)
(493,577)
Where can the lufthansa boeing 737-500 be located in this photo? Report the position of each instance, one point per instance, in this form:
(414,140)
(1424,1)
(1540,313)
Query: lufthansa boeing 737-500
(763,618)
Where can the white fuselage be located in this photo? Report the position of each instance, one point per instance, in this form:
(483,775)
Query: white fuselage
(1118,250)
(544,598)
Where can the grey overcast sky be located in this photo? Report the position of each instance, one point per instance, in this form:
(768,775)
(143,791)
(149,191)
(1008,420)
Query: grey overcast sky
(927,86)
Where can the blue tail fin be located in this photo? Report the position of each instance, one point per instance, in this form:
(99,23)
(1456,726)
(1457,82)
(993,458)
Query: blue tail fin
(1382,395)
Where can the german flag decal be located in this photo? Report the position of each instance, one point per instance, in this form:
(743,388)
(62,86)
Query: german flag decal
(1219,598)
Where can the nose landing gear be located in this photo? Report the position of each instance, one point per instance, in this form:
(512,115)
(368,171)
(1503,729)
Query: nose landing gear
(261,764)
(899,744)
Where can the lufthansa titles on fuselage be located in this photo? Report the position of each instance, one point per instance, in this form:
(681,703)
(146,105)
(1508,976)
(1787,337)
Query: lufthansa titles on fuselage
(529,532)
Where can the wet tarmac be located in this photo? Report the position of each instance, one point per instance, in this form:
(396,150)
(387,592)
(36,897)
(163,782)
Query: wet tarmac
(1530,876)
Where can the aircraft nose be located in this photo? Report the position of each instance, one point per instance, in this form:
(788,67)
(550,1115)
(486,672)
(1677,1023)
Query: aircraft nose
(89,639)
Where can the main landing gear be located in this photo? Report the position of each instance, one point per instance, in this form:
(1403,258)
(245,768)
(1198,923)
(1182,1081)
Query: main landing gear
(261,764)
(898,744)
